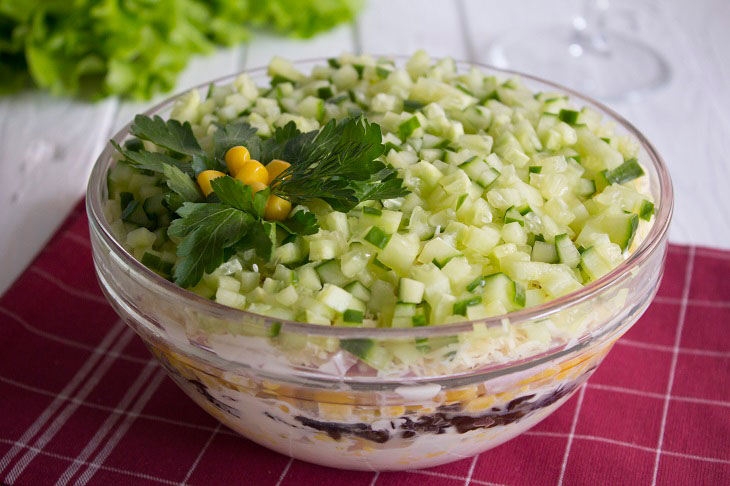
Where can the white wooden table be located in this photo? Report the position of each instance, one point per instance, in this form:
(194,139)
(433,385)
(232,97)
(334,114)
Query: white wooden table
(48,145)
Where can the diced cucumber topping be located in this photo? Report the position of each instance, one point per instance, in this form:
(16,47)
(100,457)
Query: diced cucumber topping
(628,171)
(500,288)
(358,290)
(593,264)
(475,284)
(513,215)
(600,181)
(620,228)
(568,116)
(544,252)
(377,237)
(585,187)
(134,213)
(410,106)
(403,309)
(566,250)
(646,210)
(334,297)
(504,189)
(382,72)
(330,272)
(410,290)
(325,92)
(407,128)
(153,261)
(353,316)
(372,211)
(460,307)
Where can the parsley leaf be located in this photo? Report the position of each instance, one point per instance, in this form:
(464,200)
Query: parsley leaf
(181,183)
(260,238)
(233,134)
(388,186)
(171,134)
(300,223)
(153,161)
(207,230)
(336,163)
(236,194)
(212,232)
(203,162)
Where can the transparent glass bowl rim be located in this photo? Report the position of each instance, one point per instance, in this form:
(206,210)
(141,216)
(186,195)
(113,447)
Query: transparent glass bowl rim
(648,246)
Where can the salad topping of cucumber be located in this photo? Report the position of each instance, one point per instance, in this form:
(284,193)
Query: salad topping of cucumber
(369,195)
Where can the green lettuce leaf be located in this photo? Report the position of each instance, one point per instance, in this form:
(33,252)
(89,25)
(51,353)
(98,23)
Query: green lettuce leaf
(137,48)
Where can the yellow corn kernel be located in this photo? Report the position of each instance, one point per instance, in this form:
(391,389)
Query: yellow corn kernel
(276,167)
(505,396)
(252,171)
(547,373)
(270,385)
(324,438)
(480,403)
(257,186)
(333,397)
(204,179)
(335,411)
(461,394)
(277,209)
(236,157)
(394,411)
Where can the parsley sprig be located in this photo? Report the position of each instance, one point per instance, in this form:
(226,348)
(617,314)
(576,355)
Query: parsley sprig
(337,164)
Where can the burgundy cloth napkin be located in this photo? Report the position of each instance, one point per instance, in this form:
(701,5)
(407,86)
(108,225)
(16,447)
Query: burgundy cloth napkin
(82,401)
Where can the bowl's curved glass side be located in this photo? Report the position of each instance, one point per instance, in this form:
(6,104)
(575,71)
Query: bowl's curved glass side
(459,389)
(274,352)
(412,426)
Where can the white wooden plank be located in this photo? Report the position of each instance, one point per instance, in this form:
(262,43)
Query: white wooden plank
(404,26)
(687,121)
(46,147)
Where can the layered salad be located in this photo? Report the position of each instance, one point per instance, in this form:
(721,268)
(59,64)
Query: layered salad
(365,194)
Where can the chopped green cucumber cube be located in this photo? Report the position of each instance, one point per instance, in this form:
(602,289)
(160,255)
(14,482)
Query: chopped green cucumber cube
(358,290)
(544,252)
(568,116)
(411,291)
(646,210)
(566,250)
(407,128)
(625,172)
(377,237)
(460,306)
(353,316)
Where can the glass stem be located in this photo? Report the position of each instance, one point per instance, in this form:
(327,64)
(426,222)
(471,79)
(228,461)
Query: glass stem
(589,27)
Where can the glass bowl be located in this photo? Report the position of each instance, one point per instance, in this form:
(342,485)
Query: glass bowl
(462,388)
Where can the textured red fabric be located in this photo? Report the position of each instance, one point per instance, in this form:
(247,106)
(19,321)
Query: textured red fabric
(82,401)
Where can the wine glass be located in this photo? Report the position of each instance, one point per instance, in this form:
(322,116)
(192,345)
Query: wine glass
(587,56)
